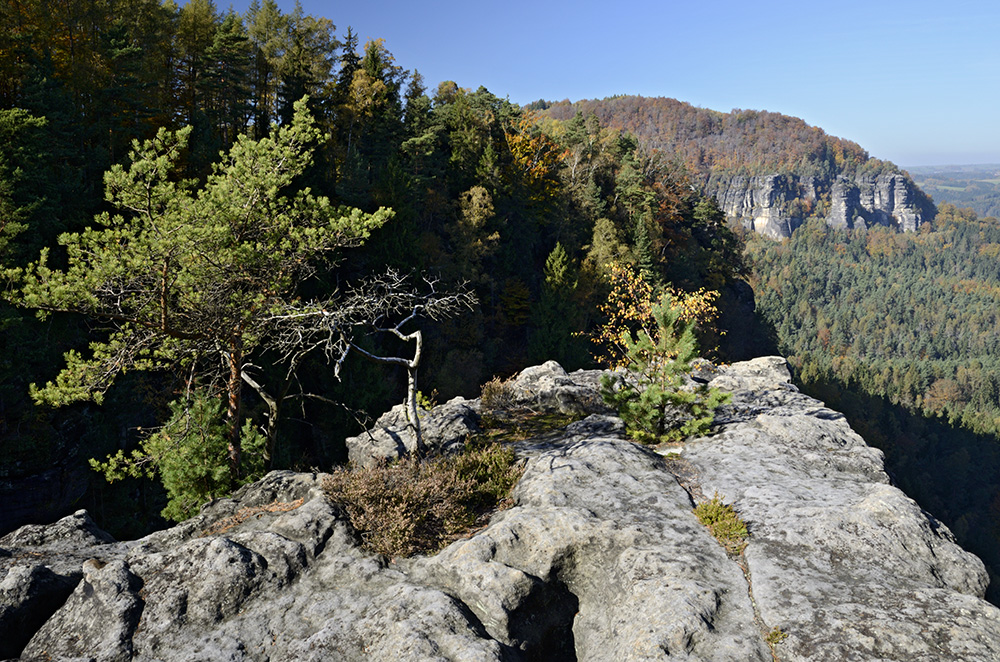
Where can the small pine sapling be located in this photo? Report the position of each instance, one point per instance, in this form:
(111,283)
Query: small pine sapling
(648,387)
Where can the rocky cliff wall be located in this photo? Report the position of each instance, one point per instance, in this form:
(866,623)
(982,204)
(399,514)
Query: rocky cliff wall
(601,558)
(775,205)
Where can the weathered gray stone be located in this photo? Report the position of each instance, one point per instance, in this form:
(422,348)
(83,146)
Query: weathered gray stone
(254,507)
(597,425)
(843,562)
(603,530)
(761,203)
(767,204)
(548,387)
(886,198)
(601,558)
(443,430)
(97,622)
(29,595)
(272,573)
(75,531)
(39,569)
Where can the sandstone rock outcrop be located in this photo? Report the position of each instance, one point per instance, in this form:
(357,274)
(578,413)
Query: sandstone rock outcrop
(762,204)
(775,205)
(41,566)
(444,429)
(887,198)
(601,558)
(839,559)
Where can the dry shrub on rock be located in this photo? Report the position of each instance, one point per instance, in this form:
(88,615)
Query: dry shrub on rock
(415,506)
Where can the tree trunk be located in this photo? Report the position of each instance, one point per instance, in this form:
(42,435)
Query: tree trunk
(273,415)
(412,411)
(410,404)
(234,388)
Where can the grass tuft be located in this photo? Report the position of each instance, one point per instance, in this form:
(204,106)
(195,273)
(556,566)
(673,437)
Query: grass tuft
(722,520)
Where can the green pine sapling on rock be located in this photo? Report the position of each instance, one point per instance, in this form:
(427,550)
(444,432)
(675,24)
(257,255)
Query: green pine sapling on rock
(194,278)
(648,387)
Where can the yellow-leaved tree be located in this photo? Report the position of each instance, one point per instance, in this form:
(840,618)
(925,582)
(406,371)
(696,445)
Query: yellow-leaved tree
(649,342)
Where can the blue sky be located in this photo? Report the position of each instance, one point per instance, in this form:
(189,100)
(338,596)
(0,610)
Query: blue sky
(914,82)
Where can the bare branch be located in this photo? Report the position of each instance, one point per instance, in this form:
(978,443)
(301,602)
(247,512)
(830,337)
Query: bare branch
(384,304)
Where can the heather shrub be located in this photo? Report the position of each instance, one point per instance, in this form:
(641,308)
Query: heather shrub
(497,394)
(493,470)
(411,506)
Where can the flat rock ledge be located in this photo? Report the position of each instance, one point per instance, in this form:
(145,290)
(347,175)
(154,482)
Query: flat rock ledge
(600,559)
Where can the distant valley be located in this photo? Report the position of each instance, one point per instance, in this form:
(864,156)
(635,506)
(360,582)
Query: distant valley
(882,293)
(975,186)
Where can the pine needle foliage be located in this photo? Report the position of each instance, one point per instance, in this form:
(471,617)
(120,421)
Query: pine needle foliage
(651,346)
(192,276)
(188,455)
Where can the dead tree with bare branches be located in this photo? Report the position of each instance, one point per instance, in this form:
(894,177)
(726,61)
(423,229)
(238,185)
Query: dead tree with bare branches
(386,304)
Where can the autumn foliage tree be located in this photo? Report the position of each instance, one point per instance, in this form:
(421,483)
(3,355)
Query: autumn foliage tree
(628,311)
(649,342)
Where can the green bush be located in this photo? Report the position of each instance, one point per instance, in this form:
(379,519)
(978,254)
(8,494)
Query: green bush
(650,392)
(189,454)
(722,520)
(411,506)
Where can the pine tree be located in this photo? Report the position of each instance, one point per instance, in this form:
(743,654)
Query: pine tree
(192,278)
(644,252)
(649,393)
(553,318)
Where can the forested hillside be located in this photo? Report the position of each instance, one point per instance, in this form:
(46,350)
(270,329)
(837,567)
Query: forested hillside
(707,142)
(768,172)
(899,331)
(912,318)
(380,206)
(522,218)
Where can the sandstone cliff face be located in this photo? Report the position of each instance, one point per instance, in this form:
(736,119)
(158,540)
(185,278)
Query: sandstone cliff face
(762,204)
(775,205)
(600,559)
